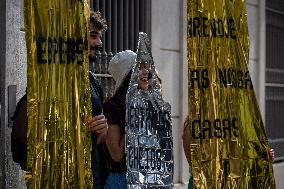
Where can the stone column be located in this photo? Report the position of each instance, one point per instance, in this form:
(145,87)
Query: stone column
(12,72)
(2,91)
(257,25)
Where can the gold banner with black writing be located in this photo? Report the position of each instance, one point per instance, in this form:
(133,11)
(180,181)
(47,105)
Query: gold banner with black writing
(228,142)
(59,145)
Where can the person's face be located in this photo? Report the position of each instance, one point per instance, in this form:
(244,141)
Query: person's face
(143,80)
(95,40)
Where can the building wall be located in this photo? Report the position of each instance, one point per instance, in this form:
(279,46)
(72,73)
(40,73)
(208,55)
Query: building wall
(169,51)
(2,87)
(256,24)
(257,28)
(14,73)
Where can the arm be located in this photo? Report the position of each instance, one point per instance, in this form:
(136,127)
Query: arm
(101,138)
(185,138)
(115,143)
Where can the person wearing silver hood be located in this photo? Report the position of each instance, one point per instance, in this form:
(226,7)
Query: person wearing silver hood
(120,67)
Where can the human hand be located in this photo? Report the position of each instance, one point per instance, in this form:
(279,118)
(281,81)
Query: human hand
(98,124)
(271,154)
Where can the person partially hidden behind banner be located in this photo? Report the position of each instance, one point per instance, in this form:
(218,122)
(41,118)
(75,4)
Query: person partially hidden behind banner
(185,138)
(115,111)
(186,147)
(97,124)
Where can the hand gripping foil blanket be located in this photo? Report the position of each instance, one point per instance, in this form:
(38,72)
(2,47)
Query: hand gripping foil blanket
(228,142)
(149,143)
(59,145)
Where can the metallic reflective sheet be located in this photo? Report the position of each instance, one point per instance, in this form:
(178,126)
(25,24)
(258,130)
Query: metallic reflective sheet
(149,144)
(59,145)
(240,159)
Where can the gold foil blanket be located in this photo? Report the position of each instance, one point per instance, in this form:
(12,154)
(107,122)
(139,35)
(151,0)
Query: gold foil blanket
(229,145)
(59,145)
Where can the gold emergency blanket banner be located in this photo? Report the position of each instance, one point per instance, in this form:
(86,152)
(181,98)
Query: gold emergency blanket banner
(59,144)
(229,145)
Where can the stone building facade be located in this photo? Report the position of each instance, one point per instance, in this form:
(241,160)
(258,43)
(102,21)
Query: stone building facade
(168,34)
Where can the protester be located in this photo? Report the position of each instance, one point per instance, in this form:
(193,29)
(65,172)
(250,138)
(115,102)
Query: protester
(115,111)
(186,147)
(97,124)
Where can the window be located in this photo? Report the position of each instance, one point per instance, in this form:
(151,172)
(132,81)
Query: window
(275,75)
(125,19)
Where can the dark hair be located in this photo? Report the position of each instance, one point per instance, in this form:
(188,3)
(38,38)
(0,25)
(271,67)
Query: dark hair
(120,95)
(98,20)
(18,107)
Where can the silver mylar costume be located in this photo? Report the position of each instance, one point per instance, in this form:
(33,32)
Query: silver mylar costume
(149,129)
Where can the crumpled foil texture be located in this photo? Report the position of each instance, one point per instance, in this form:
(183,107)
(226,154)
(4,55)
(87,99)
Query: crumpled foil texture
(59,144)
(149,130)
(228,142)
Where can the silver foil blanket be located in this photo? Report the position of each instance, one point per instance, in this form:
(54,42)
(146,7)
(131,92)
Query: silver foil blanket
(149,144)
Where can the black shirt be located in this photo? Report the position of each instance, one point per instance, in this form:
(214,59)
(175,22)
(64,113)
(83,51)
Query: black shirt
(99,151)
(115,114)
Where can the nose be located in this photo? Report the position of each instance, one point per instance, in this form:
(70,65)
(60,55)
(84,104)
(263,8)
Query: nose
(98,43)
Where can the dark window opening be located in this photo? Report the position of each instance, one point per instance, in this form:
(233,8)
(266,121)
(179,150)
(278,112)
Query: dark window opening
(125,19)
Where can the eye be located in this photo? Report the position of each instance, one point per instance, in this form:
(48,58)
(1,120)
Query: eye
(95,34)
